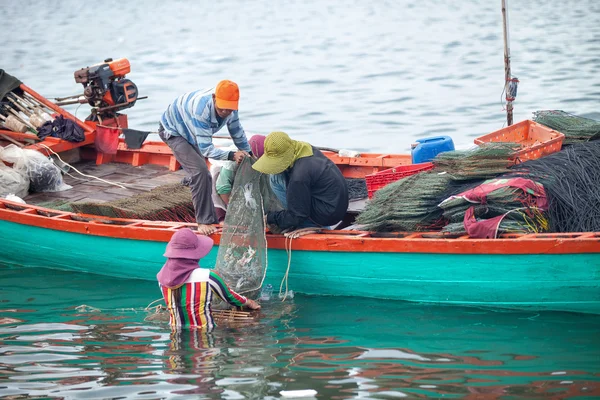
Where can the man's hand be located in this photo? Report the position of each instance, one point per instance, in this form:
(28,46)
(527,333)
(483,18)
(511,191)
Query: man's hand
(238,156)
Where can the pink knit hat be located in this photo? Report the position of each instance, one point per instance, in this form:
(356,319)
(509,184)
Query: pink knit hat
(187,244)
(257,145)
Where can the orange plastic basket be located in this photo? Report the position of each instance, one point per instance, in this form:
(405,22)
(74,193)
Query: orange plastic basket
(382,178)
(536,140)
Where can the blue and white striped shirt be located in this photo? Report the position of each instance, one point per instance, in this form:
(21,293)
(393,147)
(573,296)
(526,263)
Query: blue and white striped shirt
(193,117)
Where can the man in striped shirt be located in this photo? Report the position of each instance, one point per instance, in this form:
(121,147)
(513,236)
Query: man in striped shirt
(187,127)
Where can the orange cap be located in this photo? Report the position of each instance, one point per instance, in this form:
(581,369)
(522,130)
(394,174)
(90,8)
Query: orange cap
(227,95)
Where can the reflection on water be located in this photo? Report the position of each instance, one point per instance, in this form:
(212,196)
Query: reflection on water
(370,75)
(340,347)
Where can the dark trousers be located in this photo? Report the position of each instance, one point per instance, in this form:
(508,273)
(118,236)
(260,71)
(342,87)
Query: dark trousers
(201,182)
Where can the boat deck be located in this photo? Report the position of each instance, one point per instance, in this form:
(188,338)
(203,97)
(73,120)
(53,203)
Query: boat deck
(136,180)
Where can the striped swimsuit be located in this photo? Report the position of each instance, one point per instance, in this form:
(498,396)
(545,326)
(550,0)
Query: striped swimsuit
(189,304)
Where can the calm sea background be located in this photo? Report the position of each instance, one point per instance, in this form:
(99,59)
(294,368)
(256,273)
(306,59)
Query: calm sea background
(361,75)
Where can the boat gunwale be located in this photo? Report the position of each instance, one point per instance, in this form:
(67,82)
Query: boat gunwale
(336,241)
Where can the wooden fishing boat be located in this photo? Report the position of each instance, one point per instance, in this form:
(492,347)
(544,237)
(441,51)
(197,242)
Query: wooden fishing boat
(536,271)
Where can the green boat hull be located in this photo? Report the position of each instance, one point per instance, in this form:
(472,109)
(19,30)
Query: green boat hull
(566,282)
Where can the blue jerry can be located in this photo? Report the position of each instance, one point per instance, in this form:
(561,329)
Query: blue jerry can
(426,149)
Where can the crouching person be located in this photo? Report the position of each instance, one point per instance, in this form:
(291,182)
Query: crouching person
(310,186)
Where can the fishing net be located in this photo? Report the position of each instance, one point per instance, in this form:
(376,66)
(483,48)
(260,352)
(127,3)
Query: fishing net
(484,161)
(59,205)
(357,188)
(164,203)
(409,204)
(571,178)
(515,205)
(576,129)
(242,256)
(515,222)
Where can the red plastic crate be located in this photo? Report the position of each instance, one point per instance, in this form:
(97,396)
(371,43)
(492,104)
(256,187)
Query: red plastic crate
(535,139)
(382,178)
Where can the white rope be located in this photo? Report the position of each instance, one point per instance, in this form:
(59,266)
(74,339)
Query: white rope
(86,308)
(288,249)
(262,207)
(121,185)
(287,271)
(157,315)
(148,306)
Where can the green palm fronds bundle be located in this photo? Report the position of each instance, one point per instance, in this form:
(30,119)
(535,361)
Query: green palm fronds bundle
(576,129)
(409,204)
(484,161)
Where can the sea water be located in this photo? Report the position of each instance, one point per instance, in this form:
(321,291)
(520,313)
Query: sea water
(80,336)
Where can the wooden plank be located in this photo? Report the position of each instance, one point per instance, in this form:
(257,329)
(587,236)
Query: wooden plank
(56,108)
(13,141)
(20,136)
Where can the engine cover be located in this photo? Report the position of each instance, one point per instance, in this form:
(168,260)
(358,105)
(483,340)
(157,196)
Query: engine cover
(123,92)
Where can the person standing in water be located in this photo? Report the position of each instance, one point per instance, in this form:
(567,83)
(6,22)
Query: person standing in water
(189,289)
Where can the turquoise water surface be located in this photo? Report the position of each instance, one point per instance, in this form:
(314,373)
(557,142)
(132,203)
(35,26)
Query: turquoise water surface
(342,347)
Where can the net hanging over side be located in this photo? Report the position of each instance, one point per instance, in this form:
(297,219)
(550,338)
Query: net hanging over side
(242,256)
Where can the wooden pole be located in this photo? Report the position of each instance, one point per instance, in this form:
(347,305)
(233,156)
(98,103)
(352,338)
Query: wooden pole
(507,77)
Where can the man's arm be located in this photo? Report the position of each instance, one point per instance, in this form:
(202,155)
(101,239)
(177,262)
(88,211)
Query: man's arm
(237,132)
(204,138)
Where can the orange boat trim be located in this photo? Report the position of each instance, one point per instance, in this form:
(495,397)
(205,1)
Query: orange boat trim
(337,241)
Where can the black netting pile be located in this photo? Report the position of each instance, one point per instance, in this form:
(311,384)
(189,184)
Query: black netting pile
(357,188)
(571,178)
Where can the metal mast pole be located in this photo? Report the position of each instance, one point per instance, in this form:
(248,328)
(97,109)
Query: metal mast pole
(507,77)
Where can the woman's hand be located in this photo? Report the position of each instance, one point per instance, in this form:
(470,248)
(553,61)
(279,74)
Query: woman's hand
(251,304)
